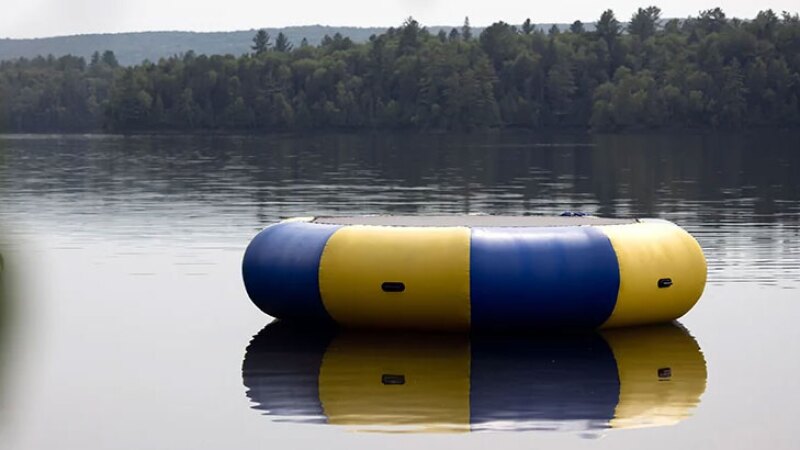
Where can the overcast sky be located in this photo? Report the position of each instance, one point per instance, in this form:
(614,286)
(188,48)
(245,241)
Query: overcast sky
(39,18)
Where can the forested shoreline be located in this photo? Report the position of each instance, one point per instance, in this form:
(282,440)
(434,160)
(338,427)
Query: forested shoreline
(704,72)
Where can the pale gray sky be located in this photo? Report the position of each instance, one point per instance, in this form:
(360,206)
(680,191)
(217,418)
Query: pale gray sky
(39,18)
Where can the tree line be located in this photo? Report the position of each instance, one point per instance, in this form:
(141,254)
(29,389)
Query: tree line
(708,71)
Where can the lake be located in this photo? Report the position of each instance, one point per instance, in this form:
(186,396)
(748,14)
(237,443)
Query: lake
(126,324)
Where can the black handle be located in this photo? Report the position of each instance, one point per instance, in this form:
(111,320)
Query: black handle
(393,286)
(392,379)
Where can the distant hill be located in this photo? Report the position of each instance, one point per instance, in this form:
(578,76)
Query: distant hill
(133,48)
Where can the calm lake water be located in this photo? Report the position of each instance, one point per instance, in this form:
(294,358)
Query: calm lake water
(126,324)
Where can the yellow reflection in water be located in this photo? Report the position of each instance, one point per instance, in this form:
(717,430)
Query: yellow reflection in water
(662,375)
(413,383)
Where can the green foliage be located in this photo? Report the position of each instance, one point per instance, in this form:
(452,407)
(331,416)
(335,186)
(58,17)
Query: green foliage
(528,27)
(466,30)
(282,43)
(454,35)
(608,27)
(712,20)
(644,22)
(704,72)
(500,42)
(261,42)
(577,27)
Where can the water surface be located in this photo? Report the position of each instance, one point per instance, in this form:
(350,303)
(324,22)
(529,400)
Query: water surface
(128,326)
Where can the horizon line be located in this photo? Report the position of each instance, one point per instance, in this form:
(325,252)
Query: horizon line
(284,27)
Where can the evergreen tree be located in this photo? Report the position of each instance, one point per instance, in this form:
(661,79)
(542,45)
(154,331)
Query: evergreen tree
(261,42)
(454,35)
(528,27)
(466,30)
(732,104)
(577,27)
(409,36)
(608,27)
(712,20)
(110,59)
(644,22)
(282,43)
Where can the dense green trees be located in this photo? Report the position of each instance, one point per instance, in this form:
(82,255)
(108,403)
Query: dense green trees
(705,72)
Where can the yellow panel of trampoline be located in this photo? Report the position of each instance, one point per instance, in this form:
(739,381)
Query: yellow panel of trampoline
(648,252)
(431,263)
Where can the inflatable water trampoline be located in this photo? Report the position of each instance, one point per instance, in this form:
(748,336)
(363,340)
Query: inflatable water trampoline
(523,273)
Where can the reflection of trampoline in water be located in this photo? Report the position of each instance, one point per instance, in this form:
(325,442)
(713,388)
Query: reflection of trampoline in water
(621,378)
